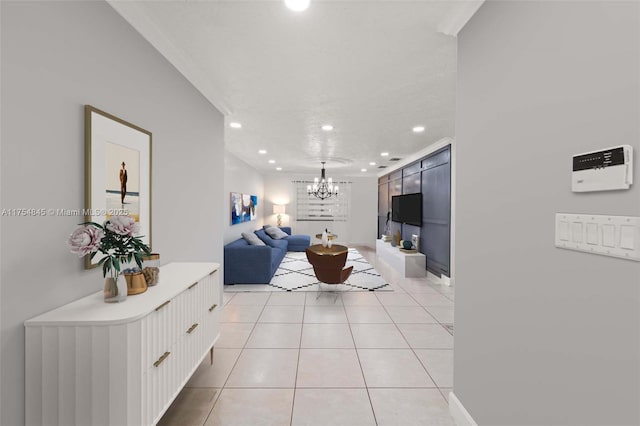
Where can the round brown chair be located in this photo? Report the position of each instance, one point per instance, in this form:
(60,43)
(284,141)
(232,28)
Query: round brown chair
(329,268)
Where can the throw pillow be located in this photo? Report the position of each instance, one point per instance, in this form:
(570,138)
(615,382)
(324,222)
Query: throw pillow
(252,239)
(276,233)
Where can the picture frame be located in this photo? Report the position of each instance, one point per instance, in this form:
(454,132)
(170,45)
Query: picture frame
(117,172)
(243,207)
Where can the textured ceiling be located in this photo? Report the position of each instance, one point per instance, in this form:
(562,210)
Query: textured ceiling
(371,69)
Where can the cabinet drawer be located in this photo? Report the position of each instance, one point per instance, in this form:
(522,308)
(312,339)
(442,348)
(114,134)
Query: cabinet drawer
(161,382)
(160,331)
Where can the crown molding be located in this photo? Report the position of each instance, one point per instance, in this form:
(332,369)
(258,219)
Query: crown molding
(134,14)
(417,155)
(456,20)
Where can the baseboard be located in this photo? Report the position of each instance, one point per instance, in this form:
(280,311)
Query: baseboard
(460,414)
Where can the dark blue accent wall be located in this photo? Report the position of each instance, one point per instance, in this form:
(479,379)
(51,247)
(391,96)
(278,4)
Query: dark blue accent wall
(431,176)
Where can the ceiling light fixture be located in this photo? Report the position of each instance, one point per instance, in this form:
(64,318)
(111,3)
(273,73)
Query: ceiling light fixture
(262,151)
(278,168)
(373,163)
(297,5)
(272,161)
(322,188)
(418,129)
(384,154)
(363,170)
(327,127)
(235,125)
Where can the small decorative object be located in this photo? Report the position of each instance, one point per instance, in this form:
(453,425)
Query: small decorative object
(151,268)
(117,243)
(325,238)
(406,245)
(329,242)
(136,282)
(415,241)
(396,238)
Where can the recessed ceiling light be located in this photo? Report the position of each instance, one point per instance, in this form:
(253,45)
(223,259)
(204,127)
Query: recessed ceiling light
(418,129)
(272,161)
(327,127)
(384,154)
(235,125)
(297,5)
(363,170)
(262,151)
(278,168)
(373,163)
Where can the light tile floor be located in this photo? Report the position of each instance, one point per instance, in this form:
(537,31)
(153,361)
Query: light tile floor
(363,358)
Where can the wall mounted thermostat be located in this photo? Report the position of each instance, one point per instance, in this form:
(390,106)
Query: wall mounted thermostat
(604,170)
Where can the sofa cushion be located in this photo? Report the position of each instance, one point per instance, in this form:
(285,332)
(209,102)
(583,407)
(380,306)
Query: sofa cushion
(252,239)
(298,242)
(276,233)
(263,236)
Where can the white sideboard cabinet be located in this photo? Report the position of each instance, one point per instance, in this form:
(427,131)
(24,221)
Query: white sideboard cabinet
(96,363)
(407,264)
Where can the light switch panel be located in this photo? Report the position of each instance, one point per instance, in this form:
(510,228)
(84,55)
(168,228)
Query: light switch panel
(608,235)
(564,230)
(616,236)
(627,237)
(592,233)
(576,232)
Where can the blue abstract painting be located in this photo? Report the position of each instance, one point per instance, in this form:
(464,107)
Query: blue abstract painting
(243,207)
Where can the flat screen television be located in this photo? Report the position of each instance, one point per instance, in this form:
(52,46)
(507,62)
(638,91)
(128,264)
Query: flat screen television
(407,209)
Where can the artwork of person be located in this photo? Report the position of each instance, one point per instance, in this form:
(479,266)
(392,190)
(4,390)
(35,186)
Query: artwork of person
(123,182)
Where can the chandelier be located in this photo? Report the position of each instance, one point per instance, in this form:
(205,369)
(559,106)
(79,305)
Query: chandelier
(322,188)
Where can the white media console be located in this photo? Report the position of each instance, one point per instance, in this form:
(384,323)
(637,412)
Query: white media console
(96,363)
(411,265)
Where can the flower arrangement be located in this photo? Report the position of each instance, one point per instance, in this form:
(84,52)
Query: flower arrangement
(115,239)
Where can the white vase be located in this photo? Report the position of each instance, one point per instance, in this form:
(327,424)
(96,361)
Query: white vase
(328,243)
(325,238)
(115,289)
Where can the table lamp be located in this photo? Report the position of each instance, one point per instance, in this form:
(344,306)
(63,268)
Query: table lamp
(279,209)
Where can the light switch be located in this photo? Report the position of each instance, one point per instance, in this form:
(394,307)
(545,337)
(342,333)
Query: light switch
(605,235)
(576,232)
(592,233)
(627,237)
(564,230)
(609,235)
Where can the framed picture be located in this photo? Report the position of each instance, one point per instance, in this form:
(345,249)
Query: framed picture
(243,207)
(118,172)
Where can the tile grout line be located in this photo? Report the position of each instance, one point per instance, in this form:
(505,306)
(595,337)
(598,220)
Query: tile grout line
(424,367)
(295,380)
(236,362)
(373,411)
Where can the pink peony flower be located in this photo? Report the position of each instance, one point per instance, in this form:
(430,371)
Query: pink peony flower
(123,225)
(85,240)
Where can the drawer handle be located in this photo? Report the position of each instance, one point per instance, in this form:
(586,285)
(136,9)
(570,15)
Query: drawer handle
(213,307)
(193,327)
(192,286)
(163,305)
(213,272)
(161,359)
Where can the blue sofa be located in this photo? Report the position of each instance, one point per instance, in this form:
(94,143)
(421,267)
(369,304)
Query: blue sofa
(247,264)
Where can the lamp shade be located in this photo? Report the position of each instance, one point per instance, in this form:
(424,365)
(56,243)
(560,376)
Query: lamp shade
(278,208)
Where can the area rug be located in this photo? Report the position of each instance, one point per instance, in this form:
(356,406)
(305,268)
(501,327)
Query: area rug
(295,273)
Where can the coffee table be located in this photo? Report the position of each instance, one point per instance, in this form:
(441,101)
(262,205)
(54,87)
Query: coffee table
(329,236)
(334,250)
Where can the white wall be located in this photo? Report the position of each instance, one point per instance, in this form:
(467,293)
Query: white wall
(241,177)
(360,229)
(544,336)
(56,57)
